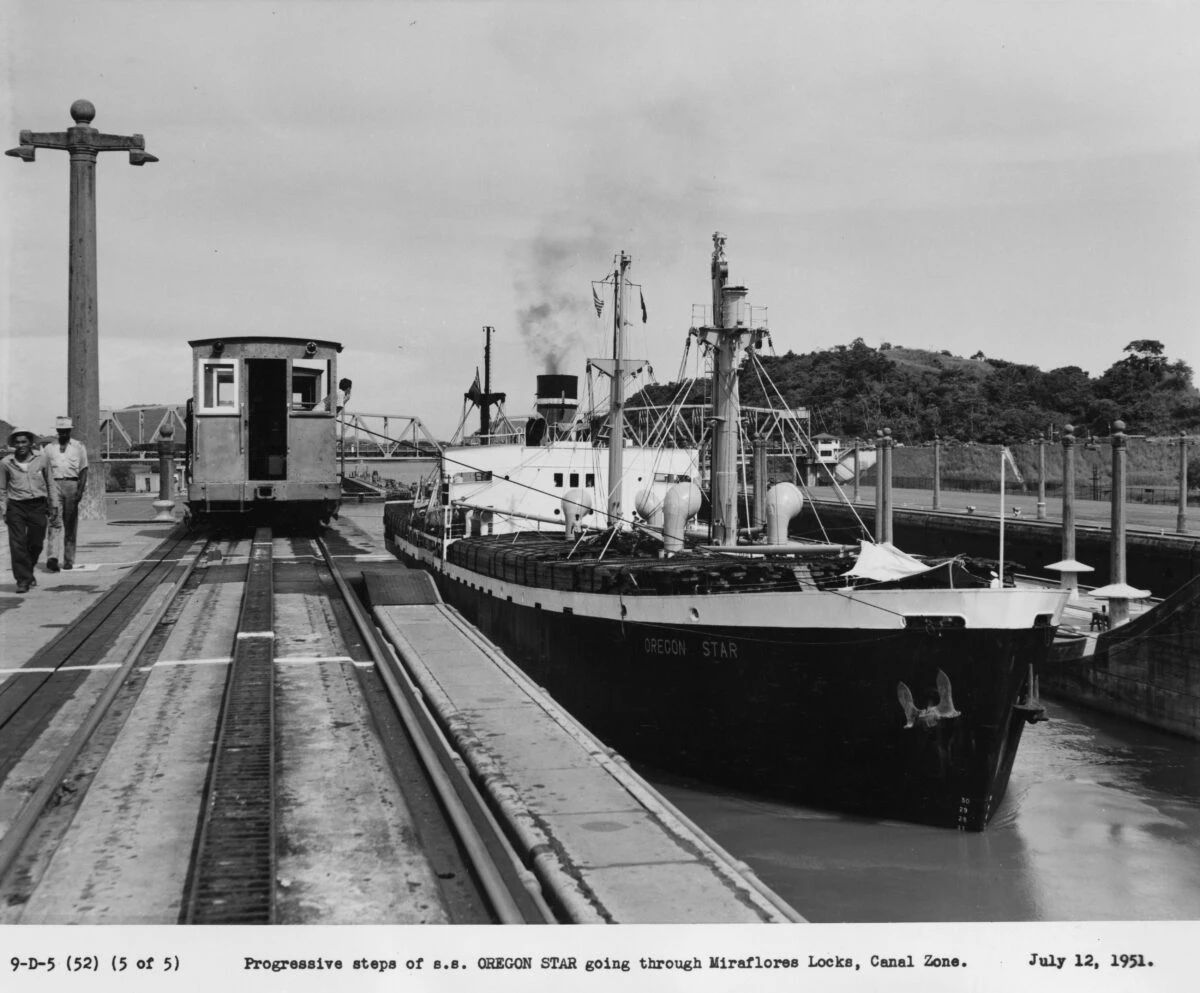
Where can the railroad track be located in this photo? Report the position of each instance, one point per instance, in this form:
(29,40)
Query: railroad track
(226,739)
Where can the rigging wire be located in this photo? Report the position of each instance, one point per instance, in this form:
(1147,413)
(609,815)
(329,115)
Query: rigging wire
(757,362)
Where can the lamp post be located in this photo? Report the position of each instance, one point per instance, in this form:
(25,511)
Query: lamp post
(84,143)
(1041,500)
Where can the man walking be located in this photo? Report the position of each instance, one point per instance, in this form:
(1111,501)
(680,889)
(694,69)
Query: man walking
(69,466)
(26,491)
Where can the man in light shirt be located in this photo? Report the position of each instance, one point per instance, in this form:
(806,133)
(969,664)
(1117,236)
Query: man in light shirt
(27,490)
(69,466)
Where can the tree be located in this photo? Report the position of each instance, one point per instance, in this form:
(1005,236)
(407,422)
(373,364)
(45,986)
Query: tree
(1145,348)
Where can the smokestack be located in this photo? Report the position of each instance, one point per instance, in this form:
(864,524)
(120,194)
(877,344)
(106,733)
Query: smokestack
(557,398)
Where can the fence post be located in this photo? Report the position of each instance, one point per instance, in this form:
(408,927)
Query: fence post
(1118,606)
(1181,519)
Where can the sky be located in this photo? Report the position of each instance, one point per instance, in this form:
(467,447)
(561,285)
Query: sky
(1021,179)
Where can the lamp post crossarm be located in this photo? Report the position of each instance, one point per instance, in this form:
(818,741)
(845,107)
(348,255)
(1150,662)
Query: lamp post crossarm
(90,141)
(45,139)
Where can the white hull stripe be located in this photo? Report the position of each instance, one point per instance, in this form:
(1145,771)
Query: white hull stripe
(861,609)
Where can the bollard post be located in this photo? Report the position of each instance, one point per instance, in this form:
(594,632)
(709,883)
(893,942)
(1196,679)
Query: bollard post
(1181,519)
(1041,500)
(937,473)
(887,484)
(879,486)
(166,472)
(1069,581)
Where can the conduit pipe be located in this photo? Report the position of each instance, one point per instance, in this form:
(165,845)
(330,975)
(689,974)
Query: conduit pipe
(539,848)
(489,875)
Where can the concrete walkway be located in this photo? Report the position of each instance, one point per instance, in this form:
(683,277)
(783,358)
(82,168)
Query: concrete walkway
(106,551)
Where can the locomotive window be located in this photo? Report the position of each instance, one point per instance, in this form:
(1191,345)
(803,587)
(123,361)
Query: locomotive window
(310,379)
(218,387)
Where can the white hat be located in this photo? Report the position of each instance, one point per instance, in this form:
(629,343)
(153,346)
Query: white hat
(62,424)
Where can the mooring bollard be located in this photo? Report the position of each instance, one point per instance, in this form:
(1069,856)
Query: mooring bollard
(166,472)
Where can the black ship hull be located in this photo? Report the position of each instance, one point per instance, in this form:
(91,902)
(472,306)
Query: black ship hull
(810,715)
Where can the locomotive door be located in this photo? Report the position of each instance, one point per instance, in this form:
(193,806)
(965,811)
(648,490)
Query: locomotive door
(267,395)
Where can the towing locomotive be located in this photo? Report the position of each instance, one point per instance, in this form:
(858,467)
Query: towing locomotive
(262,432)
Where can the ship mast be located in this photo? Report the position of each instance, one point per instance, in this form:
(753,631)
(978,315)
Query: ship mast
(728,336)
(616,412)
(485,408)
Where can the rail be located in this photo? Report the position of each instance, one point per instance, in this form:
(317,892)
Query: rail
(24,823)
(233,874)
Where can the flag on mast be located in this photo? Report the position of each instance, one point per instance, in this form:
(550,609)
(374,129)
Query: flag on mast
(597,301)
(643,300)
(475,393)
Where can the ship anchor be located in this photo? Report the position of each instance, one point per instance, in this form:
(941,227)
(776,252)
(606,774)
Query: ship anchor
(928,716)
(1031,706)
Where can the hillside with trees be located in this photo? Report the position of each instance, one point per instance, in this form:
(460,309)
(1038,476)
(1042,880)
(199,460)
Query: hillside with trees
(854,390)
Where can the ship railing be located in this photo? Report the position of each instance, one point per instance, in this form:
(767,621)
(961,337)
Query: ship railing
(750,317)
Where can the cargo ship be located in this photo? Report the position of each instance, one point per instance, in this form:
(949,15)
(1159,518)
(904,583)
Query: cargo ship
(850,677)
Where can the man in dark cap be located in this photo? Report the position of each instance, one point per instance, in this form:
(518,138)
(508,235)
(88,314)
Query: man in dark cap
(27,494)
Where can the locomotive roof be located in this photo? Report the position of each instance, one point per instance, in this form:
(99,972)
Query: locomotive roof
(265,338)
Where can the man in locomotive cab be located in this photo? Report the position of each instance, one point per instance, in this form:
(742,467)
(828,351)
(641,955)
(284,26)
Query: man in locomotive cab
(337,401)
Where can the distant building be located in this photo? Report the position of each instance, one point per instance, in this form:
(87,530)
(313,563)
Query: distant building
(829,447)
